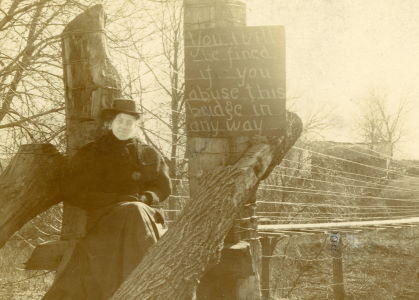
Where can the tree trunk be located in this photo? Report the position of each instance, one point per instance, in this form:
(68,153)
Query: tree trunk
(28,186)
(91,83)
(173,267)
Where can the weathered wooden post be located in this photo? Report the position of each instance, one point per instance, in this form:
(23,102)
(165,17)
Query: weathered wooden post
(206,153)
(268,246)
(336,249)
(230,95)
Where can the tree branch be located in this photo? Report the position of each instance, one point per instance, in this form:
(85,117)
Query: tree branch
(19,122)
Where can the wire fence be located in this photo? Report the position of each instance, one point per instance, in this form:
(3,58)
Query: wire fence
(298,191)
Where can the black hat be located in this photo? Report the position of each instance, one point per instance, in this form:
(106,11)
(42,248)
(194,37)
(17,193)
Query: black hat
(122,105)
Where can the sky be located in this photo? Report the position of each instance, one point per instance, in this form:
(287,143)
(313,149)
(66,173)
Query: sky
(338,50)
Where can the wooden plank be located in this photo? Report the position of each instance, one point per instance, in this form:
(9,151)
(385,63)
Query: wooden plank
(271,233)
(279,227)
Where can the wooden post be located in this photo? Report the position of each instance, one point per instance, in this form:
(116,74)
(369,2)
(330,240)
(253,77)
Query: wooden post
(224,108)
(249,287)
(268,246)
(336,249)
(206,154)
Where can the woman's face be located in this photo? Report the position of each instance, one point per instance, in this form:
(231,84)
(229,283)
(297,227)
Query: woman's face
(123,126)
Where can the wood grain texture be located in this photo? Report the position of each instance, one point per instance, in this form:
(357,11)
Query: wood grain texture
(205,153)
(173,267)
(91,83)
(28,186)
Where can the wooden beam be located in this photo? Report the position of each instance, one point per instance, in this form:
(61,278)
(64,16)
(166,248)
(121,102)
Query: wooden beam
(282,227)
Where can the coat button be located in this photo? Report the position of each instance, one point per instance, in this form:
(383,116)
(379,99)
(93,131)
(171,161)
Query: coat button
(136,176)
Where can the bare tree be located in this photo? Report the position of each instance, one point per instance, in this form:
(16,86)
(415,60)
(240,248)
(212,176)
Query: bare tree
(317,118)
(31,88)
(382,123)
(157,50)
(153,74)
(31,85)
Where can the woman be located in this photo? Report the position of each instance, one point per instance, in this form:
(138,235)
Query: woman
(115,179)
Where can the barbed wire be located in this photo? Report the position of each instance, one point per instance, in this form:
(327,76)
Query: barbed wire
(378,155)
(308,204)
(378,185)
(327,192)
(354,162)
(343,172)
(298,162)
(283,190)
(317,192)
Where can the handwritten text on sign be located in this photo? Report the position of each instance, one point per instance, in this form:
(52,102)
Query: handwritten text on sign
(235,81)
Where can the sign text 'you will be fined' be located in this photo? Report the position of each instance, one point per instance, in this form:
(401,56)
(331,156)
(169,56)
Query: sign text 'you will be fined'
(235,81)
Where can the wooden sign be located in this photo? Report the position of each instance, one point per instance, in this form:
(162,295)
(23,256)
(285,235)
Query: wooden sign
(235,81)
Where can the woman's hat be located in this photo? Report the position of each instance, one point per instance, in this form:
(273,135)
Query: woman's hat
(122,105)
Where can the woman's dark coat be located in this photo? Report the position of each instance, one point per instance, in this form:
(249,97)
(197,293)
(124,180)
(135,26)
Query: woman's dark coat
(107,170)
(107,178)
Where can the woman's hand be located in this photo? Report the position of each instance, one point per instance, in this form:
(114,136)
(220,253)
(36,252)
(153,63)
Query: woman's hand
(144,199)
(135,198)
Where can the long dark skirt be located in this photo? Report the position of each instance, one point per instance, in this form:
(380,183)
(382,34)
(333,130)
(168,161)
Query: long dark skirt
(117,239)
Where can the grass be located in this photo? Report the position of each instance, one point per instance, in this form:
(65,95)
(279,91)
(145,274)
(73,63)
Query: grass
(377,265)
(17,283)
